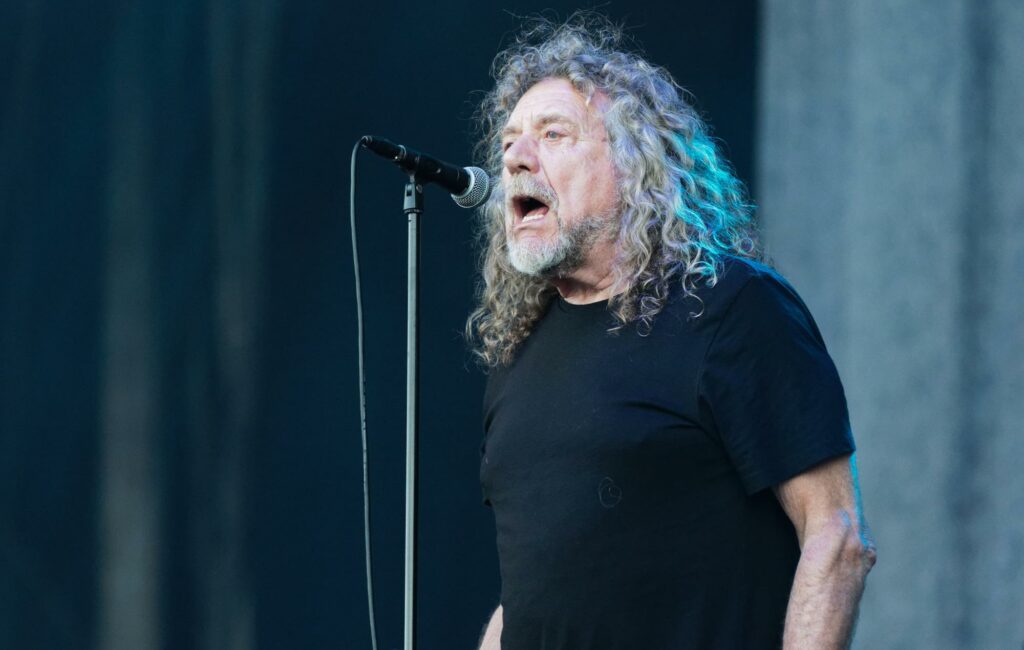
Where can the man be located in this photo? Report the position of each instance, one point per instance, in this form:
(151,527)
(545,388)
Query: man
(667,449)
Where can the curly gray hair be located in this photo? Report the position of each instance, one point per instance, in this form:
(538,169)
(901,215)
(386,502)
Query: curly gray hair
(683,208)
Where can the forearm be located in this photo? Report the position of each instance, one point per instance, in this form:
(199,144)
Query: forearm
(827,589)
(492,633)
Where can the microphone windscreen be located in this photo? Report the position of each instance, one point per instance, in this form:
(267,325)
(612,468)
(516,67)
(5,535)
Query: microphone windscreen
(479,189)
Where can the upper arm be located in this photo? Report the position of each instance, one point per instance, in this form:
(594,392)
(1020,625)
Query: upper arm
(769,389)
(824,499)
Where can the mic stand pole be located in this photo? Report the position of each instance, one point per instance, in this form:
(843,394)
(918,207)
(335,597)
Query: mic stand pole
(413,207)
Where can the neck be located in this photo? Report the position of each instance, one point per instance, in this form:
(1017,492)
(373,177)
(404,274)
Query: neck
(593,281)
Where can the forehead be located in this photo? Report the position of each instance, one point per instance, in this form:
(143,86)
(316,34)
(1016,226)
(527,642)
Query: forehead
(551,100)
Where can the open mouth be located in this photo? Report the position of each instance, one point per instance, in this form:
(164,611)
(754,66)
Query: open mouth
(529,208)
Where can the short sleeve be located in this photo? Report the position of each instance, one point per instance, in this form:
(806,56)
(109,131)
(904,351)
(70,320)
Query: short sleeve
(769,388)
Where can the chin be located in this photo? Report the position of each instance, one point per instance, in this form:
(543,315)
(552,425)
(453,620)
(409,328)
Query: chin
(531,262)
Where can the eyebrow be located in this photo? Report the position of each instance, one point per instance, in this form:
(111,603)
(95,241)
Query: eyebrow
(540,121)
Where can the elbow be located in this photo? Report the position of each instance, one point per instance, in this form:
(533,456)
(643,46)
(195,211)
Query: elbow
(843,545)
(864,551)
(858,548)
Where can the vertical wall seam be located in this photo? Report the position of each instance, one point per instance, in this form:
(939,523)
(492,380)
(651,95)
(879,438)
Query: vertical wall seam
(966,496)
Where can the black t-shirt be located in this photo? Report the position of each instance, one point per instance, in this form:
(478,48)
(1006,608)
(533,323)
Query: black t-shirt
(627,473)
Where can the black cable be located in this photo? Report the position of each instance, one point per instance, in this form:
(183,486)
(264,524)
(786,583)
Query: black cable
(362,393)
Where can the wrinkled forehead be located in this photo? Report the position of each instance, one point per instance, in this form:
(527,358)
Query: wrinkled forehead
(553,100)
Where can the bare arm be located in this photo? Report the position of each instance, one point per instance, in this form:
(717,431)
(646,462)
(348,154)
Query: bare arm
(492,633)
(836,554)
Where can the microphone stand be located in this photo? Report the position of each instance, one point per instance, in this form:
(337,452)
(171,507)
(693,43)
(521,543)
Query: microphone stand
(475,192)
(413,208)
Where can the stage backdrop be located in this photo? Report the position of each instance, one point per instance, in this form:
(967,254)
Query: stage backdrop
(179,441)
(891,175)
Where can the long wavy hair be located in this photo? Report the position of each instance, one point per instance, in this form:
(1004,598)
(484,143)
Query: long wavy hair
(682,207)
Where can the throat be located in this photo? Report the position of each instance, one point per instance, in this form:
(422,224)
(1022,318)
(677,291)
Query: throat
(593,280)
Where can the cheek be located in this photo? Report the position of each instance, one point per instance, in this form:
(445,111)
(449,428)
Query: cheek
(609,185)
(600,191)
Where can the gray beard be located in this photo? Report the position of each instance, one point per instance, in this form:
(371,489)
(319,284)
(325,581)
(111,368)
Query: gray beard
(558,258)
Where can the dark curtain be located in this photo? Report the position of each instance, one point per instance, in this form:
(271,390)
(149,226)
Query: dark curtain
(179,443)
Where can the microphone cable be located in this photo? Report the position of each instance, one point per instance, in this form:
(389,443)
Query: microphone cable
(362,393)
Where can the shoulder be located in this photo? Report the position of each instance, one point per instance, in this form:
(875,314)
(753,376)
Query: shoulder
(738,275)
(747,298)
(738,284)
(753,301)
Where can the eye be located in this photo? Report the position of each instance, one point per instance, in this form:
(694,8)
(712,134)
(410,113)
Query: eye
(552,135)
(505,145)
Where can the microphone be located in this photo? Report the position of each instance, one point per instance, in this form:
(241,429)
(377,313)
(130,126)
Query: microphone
(469,186)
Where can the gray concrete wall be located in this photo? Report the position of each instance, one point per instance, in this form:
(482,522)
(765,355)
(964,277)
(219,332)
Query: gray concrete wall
(891,176)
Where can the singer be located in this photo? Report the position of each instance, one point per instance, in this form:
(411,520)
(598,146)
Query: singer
(667,449)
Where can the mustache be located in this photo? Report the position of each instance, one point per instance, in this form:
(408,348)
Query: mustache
(524,184)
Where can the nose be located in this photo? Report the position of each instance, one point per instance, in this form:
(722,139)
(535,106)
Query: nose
(521,156)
